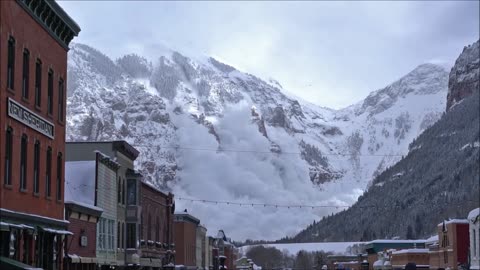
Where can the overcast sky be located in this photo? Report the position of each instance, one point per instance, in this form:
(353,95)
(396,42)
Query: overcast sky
(329,53)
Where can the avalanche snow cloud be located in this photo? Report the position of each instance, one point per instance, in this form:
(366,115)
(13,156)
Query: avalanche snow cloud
(208,131)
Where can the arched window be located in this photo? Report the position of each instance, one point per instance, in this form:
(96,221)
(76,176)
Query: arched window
(26,73)
(38,83)
(8,156)
(36,168)
(23,163)
(59,176)
(11,63)
(48,174)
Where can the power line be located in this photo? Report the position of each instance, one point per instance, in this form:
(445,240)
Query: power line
(293,206)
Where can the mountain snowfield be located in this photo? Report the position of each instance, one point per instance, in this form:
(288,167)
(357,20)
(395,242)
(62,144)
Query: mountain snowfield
(208,131)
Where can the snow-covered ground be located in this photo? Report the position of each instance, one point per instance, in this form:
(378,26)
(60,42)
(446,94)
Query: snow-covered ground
(294,248)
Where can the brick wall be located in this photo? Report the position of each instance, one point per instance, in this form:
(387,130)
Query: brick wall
(79,226)
(30,35)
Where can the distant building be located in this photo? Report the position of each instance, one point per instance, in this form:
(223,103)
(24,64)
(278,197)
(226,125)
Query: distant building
(185,230)
(34,42)
(400,258)
(352,261)
(381,245)
(453,244)
(224,250)
(156,228)
(474,227)
(200,249)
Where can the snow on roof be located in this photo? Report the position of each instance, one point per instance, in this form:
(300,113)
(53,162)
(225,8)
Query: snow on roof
(86,205)
(473,214)
(454,221)
(80,182)
(378,263)
(390,241)
(33,215)
(432,239)
(294,248)
(411,250)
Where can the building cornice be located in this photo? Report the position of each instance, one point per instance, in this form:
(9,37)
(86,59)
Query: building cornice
(53,19)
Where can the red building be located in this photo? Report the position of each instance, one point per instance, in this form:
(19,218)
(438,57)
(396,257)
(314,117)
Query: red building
(452,248)
(81,246)
(156,229)
(185,238)
(34,39)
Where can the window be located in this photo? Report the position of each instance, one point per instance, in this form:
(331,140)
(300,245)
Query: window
(157,235)
(11,63)
(123,191)
(8,156)
(101,234)
(123,235)
(50,92)
(118,234)
(48,178)
(149,227)
(131,192)
(59,176)
(119,191)
(36,168)
(38,83)
(131,235)
(474,243)
(26,73)
(60,100)
(23,163)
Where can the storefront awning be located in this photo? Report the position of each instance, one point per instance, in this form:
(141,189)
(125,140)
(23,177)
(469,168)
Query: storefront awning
(74,258)
(54,231)
(5,226)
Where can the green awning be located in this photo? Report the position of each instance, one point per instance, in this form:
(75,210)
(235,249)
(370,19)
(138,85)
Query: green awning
(10,264)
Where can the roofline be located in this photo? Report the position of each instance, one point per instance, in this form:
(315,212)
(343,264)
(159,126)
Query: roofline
(118,145)
(150,186)
(68,20)
(81,208)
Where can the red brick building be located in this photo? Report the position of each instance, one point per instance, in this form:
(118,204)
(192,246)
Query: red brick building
(156,229)
(34,39)
(81,246)
(185,228)
(452,248)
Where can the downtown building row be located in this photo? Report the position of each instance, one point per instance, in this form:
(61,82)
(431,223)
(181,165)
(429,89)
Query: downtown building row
(455,246)
(196,250)
(116,219)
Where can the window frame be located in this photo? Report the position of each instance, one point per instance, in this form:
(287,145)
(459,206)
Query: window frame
(38,83)
(11,63)
(36,167)
(59,178)
(48,173)
(50,80)
(23,162)
(7,178)
(61,100)
(25,73)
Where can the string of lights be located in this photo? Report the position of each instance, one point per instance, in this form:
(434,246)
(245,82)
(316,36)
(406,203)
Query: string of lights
(295,206)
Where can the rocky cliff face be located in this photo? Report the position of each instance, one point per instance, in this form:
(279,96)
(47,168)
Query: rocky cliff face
(203,128)
(465,75)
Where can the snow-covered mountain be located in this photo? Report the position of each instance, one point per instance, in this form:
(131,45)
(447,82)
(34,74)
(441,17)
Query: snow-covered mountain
(208,131)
